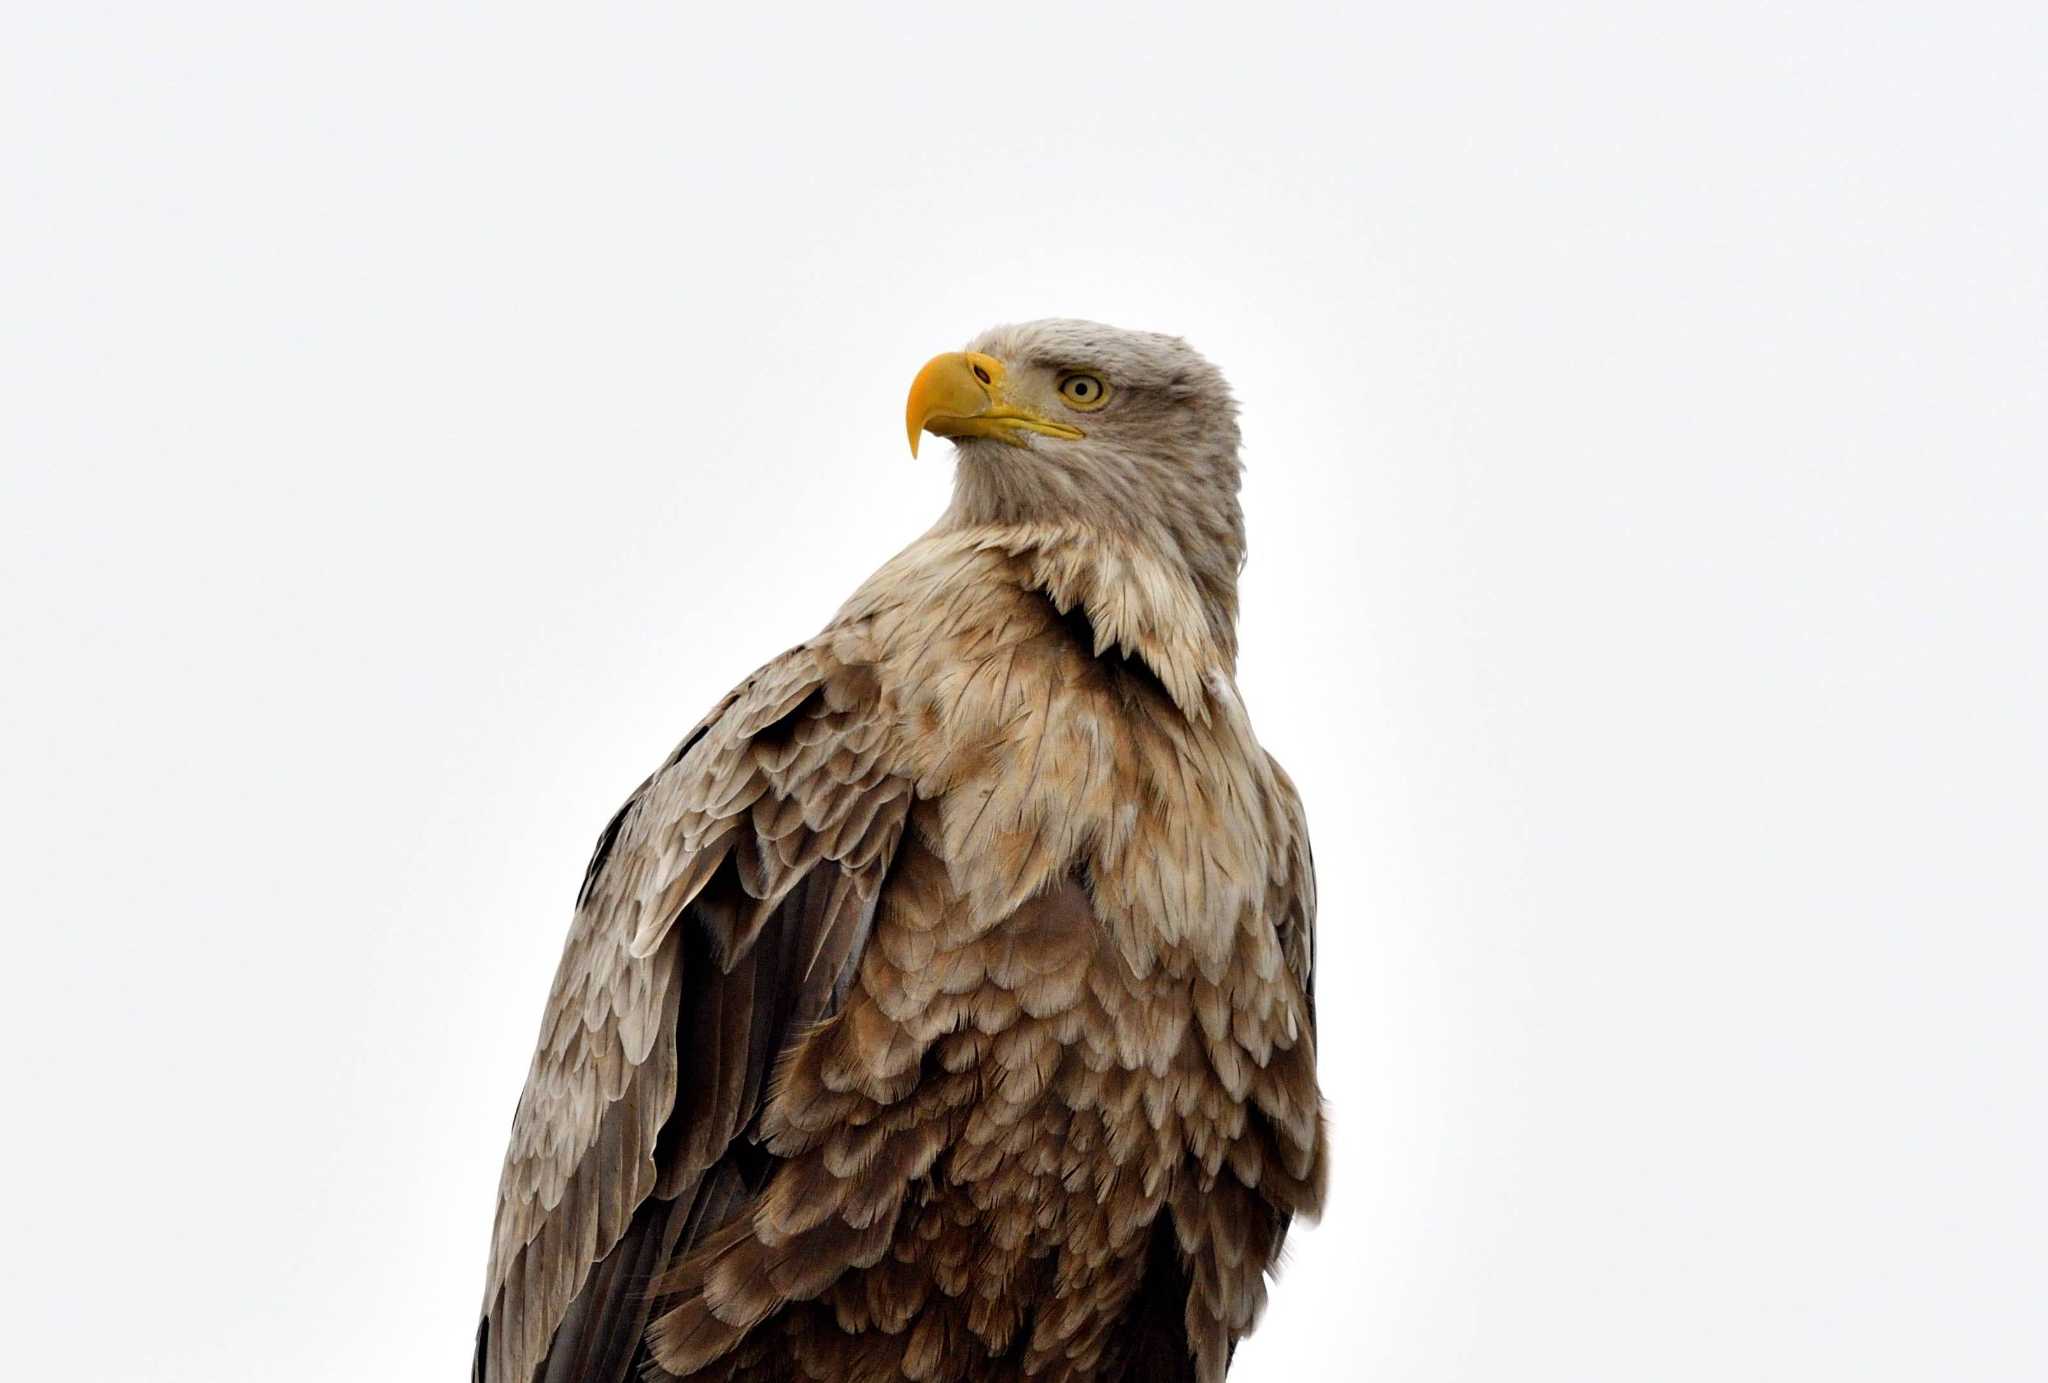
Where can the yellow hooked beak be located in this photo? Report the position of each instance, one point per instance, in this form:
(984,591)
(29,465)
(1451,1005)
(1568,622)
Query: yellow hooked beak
(960,394)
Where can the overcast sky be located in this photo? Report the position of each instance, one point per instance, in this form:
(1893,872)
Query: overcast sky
(413,416)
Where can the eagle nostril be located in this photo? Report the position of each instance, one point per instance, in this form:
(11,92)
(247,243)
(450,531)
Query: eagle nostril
(982,375)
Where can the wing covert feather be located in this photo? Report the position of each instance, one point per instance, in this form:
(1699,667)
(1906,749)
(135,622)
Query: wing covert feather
(723,908)
(1292,902)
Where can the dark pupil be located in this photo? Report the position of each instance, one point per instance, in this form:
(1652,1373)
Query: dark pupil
(1081,388)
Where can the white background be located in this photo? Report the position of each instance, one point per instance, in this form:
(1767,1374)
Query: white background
(414,416)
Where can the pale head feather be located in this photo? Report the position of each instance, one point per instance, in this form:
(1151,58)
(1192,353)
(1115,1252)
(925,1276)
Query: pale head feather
(1158,469)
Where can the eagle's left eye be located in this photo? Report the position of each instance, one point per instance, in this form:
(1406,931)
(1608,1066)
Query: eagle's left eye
(1083,391)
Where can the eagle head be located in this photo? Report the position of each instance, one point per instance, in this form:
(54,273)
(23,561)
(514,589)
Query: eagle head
(1128,434)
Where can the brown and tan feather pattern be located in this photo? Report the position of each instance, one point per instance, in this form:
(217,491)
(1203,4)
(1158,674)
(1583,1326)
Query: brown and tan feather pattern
(942,1009)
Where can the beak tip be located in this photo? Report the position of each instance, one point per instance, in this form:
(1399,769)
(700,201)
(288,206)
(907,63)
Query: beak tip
(951,386)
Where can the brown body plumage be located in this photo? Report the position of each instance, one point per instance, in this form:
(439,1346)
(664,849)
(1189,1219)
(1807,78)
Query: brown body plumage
(942,1008)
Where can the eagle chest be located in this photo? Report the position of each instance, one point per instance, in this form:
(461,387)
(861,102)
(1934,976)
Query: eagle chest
(1032,1105)
(1043,757)
(1055,1030)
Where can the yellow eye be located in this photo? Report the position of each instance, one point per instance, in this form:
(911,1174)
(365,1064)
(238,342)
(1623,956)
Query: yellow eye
(1085,392)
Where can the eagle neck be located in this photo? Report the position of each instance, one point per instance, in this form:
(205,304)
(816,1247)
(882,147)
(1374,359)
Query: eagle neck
(1138,601)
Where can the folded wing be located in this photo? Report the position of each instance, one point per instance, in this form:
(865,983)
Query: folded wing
(725,909)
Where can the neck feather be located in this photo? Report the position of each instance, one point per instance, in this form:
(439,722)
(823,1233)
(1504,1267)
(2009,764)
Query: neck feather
(1160,537)
(1137,602)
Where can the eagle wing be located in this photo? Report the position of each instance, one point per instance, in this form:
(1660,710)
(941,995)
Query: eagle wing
(725,908)
(1292,898)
